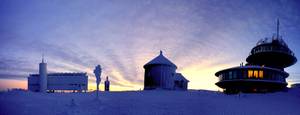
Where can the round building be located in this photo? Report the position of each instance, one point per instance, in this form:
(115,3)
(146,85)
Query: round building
(160,73)
(264,71)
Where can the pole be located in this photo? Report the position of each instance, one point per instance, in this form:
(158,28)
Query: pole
(277,33)
(97,72)
(97,90)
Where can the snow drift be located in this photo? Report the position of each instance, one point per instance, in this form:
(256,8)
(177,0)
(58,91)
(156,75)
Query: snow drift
(150,103)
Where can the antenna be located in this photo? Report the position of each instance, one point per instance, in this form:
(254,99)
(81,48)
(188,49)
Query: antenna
(43,58)
(277,34)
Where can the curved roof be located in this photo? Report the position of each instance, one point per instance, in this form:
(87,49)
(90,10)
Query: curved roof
(160,60)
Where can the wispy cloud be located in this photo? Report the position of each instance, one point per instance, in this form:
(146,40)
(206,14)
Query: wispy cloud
(201,37)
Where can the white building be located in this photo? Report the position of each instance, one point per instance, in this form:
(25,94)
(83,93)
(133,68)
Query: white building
(160,73)
(43,76)
(52,82)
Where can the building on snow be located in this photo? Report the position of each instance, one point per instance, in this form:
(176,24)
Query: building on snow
(264,71)
(106,84)
(54,82)
(160,73)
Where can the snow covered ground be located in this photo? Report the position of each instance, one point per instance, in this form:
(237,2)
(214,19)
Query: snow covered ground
(150,103)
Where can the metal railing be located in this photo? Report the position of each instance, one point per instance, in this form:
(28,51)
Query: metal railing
(271,48)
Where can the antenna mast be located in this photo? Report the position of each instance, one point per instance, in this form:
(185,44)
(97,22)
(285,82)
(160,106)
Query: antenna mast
(43,58)
(277,34)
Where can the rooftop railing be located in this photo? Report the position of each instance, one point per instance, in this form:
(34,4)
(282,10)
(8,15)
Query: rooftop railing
(271,48)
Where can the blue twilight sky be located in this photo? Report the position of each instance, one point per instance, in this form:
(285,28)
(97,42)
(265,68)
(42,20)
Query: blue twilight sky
(199,36)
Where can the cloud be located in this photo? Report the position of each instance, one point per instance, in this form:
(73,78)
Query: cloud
(122,36)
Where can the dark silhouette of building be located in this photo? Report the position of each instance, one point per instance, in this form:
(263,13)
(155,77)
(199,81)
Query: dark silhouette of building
(160,73)
(264,71)
(106,84)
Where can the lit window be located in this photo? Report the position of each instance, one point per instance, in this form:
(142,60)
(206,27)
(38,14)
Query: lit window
(250,73)
(255,74)
(261,74)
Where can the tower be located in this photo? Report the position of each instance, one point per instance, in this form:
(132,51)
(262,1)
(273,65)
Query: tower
(43,76)
(106,84)
(264,71)
(273,53)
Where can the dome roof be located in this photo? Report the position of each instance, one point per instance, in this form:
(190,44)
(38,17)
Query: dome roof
(160,60)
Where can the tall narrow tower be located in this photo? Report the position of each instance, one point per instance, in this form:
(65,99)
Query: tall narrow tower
(107,83)
(43,76)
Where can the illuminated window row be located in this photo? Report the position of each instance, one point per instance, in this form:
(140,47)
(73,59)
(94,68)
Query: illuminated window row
(272,48)
(256,74)
(252,74)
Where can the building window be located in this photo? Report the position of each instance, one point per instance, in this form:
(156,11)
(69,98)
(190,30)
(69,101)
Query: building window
(239,74)
(255,73)
(221,77)
(234,74)
(250,73)
(245,74)
(230,75)
(261,74)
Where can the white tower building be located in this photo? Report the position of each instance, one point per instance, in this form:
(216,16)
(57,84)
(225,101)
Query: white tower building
(43,76)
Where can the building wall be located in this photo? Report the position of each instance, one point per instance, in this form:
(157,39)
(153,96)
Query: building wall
(60,82)
(106,85)
(43,77)
(180,85)
(67,83)
(159,76)
(33,83)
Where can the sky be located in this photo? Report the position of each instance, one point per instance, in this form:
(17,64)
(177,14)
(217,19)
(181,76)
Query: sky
(200,36)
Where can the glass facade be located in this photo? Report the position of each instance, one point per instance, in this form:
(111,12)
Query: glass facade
(264,48)
(261,74)
(252,74)
(255,73)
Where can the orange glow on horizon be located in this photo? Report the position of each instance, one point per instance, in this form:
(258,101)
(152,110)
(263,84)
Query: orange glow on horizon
(10,83)
(203,77)
(92,87)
